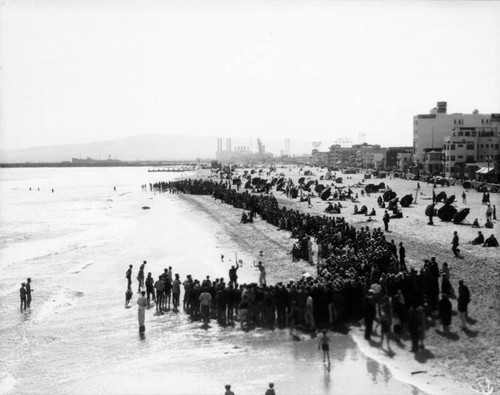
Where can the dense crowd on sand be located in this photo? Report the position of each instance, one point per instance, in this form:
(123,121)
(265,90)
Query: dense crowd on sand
(360,275)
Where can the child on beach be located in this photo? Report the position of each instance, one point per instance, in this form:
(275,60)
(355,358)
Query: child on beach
(324,344)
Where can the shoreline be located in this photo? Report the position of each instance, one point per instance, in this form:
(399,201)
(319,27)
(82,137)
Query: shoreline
(456,363)
(276,272)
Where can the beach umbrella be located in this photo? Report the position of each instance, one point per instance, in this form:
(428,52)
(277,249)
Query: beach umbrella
(446,213)
(319,188)
(252,172)
(441,196)
(460,215)
(450,200)
(389,195)
(274,181)
(406,200)
(255,180)
(248,185)
(371,188)
(301,180)
(326,193)
(381,186)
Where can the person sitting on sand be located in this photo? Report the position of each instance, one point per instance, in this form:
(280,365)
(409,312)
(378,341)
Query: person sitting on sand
(491,242)
(329,208)
(479,239)
(488,224)
(356,209)
(244,218)
(475,224)
(372,212)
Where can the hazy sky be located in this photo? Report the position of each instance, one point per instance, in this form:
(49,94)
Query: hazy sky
(82,71)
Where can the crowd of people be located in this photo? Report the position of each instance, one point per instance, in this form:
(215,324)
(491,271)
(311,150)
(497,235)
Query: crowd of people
(360,274)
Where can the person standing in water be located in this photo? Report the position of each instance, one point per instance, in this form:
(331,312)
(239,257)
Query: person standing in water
(324,344)
(142,303)
(22,295)
(128,276)
(28,292)
(140,277)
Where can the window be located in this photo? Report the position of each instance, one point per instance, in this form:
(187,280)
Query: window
(452,158)
(460,145)
(454,122)
(460,134)
(470,158)
(474,134)
(496,146)
(467,134)
(453,147)
(470,146)
(460,156)
(452,169)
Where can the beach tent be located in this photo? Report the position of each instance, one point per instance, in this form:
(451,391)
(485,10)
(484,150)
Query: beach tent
(450,200)
(441,196)
(236,181)
(460,215)
(339,180)
(446,213)
(294,192)
(255,180)
(326,193)
(248,185)
(406,200)
(466,184)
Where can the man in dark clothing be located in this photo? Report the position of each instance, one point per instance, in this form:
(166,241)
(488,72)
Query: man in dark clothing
(445,312)
(28,293)
(479,239)
(128,275)
(455,244)
(413,327)
(402,256)
(233,275)
(463,302)
(386,221)
(22,295)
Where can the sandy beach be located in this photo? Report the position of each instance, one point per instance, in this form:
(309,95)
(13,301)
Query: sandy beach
(449,364)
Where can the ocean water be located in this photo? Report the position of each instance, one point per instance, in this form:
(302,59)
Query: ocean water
(76,244)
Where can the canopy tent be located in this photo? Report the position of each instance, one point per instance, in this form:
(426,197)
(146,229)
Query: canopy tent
(485,170)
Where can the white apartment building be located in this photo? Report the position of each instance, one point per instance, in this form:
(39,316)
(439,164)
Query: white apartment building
(468,150)
(429,130)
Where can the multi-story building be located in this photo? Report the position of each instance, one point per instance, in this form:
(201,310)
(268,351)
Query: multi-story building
(433,162)
(404,161)
(391,156)
(468,151)
(429,130)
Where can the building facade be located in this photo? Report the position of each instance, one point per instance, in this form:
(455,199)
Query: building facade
(468,151)
(429,130)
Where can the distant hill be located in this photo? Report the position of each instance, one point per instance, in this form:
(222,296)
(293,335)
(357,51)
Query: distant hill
(144,147)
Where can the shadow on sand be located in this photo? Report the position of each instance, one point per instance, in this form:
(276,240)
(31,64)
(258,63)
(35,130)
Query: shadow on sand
(449,335)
